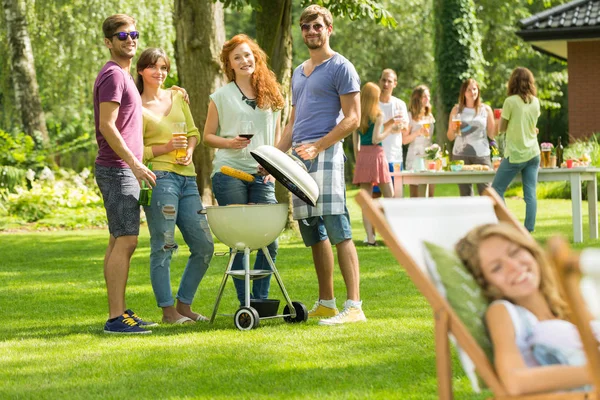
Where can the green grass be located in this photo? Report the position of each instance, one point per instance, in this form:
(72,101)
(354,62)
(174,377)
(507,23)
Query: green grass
(53,307)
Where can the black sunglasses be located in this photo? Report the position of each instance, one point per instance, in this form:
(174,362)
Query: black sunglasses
(123,35)
(316,27)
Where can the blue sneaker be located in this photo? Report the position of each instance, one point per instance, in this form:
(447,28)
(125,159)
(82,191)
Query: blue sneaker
(137,319)
(124,325)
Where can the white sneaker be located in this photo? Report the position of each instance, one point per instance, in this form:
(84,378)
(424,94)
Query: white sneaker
(366,240)
(348,315)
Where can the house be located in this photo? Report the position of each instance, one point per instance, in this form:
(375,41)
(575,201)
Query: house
(571,32)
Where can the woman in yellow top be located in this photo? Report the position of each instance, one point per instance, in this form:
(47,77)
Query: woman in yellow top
(175,199)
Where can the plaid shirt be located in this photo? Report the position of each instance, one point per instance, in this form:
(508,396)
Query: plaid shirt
(328,171)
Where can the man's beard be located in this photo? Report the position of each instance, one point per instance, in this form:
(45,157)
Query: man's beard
(314,43)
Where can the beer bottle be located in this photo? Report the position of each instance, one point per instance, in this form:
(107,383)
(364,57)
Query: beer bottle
(559,153)
(145,197)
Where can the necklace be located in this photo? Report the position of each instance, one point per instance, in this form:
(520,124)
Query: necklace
(248,101)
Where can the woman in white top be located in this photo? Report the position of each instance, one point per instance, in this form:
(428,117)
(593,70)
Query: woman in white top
(514,273)
(420,130)
(252,94)
(476,126)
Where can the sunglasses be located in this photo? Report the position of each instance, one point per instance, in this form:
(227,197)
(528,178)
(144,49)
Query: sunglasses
(123,35)
(316,27)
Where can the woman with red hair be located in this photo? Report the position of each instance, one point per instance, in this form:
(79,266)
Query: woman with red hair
(251,98)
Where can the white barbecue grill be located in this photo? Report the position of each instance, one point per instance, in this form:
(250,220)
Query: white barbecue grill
(249,227)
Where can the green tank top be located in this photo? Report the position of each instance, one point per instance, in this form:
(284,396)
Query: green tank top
(366,139)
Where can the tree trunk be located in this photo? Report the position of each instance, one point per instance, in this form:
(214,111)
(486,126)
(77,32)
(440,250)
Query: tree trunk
(27,96)
(458,55)
(200,31)
(274,35)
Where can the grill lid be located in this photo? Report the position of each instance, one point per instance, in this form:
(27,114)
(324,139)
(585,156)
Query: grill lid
(288,171)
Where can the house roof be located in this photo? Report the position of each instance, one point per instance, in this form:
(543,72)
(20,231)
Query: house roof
(549,30)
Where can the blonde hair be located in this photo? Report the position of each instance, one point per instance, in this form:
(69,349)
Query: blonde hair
(416,103)
(369,106)
(467,249)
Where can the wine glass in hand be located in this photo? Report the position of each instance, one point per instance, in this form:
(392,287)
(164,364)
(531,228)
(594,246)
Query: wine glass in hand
(247,132)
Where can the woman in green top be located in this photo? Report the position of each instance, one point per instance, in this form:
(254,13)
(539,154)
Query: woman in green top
(175,199)
(520,113)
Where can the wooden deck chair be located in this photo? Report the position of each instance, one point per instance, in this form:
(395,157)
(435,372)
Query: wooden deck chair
(580,280)
(404,224)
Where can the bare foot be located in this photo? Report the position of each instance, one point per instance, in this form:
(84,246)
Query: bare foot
(171,316)
(186,311)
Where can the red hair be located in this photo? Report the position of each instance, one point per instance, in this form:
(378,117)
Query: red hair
(264,81)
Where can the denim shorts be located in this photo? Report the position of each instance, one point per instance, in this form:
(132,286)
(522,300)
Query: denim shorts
(120,192)
(316,229)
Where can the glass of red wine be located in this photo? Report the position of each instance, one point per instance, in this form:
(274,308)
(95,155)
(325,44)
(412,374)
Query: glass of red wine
(246,131)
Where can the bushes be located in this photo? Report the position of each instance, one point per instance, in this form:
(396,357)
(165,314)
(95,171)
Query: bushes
(65,193)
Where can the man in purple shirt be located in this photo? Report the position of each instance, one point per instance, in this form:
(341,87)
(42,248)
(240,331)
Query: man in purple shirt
(119,169)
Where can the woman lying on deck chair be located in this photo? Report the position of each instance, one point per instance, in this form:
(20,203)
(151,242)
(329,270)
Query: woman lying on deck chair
(536,347)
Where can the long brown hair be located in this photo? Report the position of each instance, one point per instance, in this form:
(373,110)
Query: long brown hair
(522,84)
(369,106)
(462,101)
(149,57)
(264,82)
(467,249)
(416,103)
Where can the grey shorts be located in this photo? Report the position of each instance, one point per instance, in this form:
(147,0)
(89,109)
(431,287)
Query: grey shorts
(120,191)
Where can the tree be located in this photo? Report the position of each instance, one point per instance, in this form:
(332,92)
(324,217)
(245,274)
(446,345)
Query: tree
(26,91)
(274,35)
(200,37)
(458,54)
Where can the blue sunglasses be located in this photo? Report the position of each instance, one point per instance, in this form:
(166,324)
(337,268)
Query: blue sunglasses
(123,35)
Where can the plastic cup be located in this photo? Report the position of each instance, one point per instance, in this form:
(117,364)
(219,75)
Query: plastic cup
(497,113)
(569,163)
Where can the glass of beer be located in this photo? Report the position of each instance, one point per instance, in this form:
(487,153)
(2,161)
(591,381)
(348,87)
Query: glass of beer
(545,155)
(426,124)
(180,130)
(456,122)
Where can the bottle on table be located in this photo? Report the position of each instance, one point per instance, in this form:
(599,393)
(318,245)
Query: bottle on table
(445,158)
(559,153)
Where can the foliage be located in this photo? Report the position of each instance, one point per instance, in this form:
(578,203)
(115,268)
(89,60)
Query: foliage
(407,48)
(584,149)
(20,150)
(457,48)
(353,9)
(68,48)
(504,50)
(47,193)
(10,177)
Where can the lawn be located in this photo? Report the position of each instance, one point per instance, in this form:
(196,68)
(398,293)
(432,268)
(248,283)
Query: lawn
(53,307)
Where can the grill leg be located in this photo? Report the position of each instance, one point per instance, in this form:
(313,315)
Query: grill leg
(280,282)
(222,287)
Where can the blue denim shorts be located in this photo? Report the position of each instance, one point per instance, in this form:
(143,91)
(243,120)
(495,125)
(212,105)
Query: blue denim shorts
(316,229)
(120,192)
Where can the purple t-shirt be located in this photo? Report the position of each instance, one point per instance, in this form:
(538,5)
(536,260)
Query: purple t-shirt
(316,98)
(115,85)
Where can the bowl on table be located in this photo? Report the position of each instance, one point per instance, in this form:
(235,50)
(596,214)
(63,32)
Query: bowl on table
(456,167)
